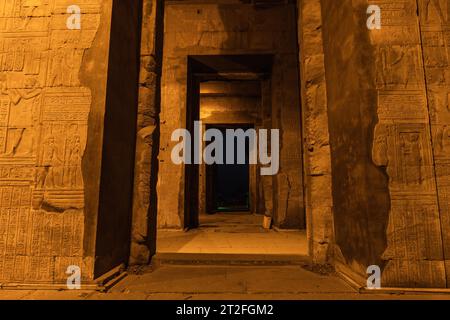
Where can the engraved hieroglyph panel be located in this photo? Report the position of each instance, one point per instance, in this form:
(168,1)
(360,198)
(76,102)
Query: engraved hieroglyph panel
(402,146)
(399,67)
(43,132)
(401,105)
(398,20)
(414,251)
(24,15)
(435,22)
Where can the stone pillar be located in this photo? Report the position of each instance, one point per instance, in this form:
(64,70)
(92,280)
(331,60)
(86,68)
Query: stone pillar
(316,144)
(286,116)
(266,182)
(143,234)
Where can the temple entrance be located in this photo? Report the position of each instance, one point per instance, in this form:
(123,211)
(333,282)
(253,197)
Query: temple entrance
(247,207)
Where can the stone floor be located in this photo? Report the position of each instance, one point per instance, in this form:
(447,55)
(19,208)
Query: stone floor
(226,234)
(220,282)
(237,233)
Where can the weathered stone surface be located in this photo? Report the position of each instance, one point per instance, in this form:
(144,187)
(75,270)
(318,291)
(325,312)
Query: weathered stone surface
(365,151)
(434,22)
(396,138)
(316,149)
(142,238)
(403,146)
(43,133)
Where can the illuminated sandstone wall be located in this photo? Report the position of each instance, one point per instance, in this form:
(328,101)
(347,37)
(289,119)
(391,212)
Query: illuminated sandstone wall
(435,36)
(388,204)
(68,105)
(44,111)
(402,145)
(236,102)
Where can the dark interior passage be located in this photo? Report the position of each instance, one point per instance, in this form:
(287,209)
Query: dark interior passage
(228,185)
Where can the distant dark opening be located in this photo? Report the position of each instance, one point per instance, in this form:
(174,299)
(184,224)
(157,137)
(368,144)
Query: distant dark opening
(228,185)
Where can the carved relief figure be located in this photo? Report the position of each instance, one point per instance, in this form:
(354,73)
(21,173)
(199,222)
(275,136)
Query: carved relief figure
(28,7)
(443,141)
(74,169)
(411,158)
(52,160)
(396,65)
(57,68)
(437,6)
(383,65)
(62,71)
(380,146)
(41,175)
(23,117)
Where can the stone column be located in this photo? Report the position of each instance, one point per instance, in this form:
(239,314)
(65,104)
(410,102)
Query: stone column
(316,145)
(143,234)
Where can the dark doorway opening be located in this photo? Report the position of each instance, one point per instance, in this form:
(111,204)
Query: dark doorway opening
(203,68)
(228,184)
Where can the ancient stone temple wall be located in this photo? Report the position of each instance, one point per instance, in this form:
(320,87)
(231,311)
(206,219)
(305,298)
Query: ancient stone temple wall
(435,40)
(65,168)
(402,146)
(386,207)
(375,130)
(44,111)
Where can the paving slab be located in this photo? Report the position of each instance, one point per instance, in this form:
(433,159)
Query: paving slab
(222,283)
(182,279)
(233,279)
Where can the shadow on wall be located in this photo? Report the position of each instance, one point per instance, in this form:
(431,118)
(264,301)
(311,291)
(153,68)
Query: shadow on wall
(360,188)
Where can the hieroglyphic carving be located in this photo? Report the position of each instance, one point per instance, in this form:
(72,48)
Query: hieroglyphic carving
(398,20)
(442,141)
(401,104)
(23,15)
(402,149)
(414,232)
(43,131)
(435,21)
(435,11)
(402,146)
(398,65)
(59,180)
(23,114)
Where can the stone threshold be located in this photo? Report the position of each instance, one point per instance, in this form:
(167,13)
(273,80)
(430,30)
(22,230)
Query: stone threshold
(229,259)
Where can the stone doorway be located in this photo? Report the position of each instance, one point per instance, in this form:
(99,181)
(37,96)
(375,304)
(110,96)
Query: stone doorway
(227,186)
(219,53)
(259,76)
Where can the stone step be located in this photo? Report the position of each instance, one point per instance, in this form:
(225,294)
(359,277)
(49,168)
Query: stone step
(229,259)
